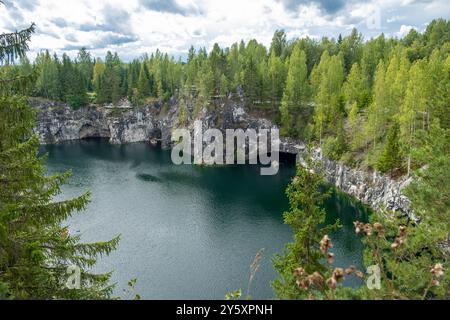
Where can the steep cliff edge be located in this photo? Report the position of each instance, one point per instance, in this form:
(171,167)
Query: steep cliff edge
(58,122)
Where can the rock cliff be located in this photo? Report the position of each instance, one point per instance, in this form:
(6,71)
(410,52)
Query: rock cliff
(153,123)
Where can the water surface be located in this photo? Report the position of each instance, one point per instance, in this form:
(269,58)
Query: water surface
(187,232)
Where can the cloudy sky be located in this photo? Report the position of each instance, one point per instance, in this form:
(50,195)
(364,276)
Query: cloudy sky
(134,27)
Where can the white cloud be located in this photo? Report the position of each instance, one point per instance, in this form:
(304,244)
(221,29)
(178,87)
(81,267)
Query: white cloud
(138,26)
(404,30)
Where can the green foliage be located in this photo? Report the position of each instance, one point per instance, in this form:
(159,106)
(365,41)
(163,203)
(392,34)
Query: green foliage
(296,91)
(351,47)
(48,84)
(391,158)
(36,248)
(85,65)
(279,43)
(355,89)
(206,83)
(14,45)
(328,77)
(428,191)
(309,87)
(407,253)
(334,147)
(143,84)
(377,115)
(236,295)
(276,73)
(305,216)
(183,114)
(411,264)
(376,100)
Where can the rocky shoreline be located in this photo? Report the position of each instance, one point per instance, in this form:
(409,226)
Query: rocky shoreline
(57,122)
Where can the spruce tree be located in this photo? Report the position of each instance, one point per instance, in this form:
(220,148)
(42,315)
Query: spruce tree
(86,67)
(143,84)
(36,248)
(391,156)
(305,216)
(73,87)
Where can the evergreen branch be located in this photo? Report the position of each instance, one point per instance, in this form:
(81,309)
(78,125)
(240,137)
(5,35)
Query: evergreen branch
(14,45)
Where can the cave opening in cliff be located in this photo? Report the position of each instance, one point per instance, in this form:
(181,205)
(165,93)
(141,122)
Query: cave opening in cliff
(289,159)
(156,137)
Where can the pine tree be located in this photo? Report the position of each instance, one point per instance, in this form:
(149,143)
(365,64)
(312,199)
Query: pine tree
(329,104)
(143,84)
(35,247)
(279,43)
(306,214)
(109,80)
(373,51)
(78,95)
(48,83)
(251,79)
(206,85)
(73,89)
(318,72)
(97,82)
(415,102)
(390,76)
(351,48)
(296,91)
(234,66)
(224,85)
(217,62)
(335,147)
(391,157)
(376,113)
(132,77)
(401,81)
(439,86)
(86,67)
(191,68)
(355,121)
(355,88)
(276,79)
(429,198)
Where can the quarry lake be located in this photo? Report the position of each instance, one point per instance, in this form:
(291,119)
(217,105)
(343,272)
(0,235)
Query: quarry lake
(187,232)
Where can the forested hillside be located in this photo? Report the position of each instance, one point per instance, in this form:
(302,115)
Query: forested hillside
(364,102)
(380,104)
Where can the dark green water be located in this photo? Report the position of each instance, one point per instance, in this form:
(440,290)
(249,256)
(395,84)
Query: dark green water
(187,232)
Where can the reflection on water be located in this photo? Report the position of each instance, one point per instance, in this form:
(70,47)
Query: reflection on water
(187,232)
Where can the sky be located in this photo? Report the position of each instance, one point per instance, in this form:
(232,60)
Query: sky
(135,27)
